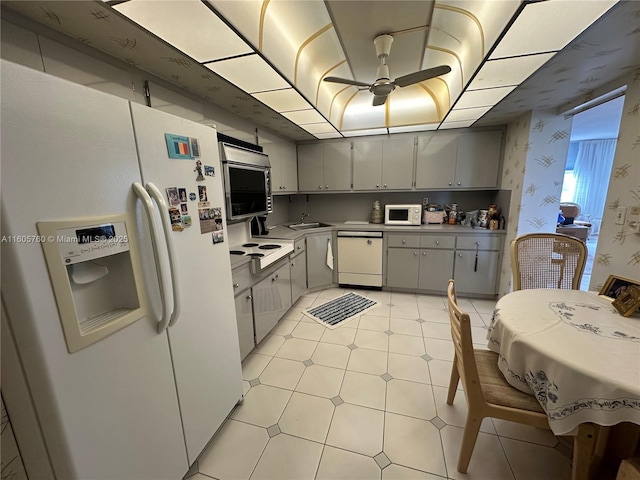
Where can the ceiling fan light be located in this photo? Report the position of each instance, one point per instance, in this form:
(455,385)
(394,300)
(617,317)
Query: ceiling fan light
(383,45)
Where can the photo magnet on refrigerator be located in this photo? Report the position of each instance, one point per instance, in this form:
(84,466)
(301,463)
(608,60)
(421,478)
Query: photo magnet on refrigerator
(172,196)
(209,171)
(192,196)
(182,194)
(178,146)
(198,169)
(176,219)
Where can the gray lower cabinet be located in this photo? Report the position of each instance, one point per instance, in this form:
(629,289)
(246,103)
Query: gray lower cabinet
(426,262)
(298,265)
(244,317)
(271,300)
(402,267)
(318,273)
(436,268)
(477,263)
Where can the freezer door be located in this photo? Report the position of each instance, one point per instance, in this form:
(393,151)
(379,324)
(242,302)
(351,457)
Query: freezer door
(109,410)
(204,337)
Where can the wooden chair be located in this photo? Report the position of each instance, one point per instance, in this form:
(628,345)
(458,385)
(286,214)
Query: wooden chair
(488,393)
(547,260)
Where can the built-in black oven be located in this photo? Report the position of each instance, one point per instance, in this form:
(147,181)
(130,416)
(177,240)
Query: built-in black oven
(247,182)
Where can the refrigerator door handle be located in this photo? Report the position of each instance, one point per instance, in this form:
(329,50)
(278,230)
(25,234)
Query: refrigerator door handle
(149,209)
(173,264)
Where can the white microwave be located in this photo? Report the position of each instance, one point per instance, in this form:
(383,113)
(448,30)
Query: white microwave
(402,214)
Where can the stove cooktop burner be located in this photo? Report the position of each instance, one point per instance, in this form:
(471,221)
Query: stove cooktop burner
(255,254)
(249,245)
(269,246)
(236,252)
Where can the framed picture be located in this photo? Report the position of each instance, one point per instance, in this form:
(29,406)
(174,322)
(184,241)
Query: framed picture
(616,286)
(628,301)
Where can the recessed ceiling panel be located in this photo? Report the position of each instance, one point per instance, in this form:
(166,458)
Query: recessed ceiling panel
(188,25)
(359,114)
(508,71)
(543,26)
(283,100)
(413,128)
(250,73)
(288,27)
(327,135)
(412,105)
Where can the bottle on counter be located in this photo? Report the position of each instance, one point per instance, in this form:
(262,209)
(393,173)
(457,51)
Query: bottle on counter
(453,214)
(483,219)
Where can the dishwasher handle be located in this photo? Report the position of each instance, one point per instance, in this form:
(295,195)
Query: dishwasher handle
(359,234)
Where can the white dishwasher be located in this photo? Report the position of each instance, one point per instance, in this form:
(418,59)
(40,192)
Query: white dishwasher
(360,258)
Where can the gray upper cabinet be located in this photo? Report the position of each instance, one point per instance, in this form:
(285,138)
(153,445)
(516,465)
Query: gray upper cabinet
(397,163)
(459,160)
(436,160)
(284,167)
(367,164)
(478,159)
(386,163)
(324,167)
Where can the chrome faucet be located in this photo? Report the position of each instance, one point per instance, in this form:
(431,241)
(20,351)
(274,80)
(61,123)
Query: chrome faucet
(303,216)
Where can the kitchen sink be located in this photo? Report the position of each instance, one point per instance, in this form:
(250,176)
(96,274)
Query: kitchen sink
(306,226)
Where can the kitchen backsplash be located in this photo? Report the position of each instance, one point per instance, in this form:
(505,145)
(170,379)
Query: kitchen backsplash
(357,206)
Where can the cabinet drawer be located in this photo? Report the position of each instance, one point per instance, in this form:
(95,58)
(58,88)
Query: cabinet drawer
(484,242)
(241,279)
(438,241)
(409,241)
(299,245)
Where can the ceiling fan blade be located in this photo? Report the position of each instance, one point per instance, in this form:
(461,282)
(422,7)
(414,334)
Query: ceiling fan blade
(422,75)
(346,81)
(379,100)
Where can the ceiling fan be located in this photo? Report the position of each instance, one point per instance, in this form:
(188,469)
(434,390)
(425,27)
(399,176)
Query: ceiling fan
(383,85)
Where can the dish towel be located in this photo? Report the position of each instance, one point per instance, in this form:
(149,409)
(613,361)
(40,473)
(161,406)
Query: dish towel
(329,255)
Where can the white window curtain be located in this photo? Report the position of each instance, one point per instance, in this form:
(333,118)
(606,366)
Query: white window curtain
(592,171)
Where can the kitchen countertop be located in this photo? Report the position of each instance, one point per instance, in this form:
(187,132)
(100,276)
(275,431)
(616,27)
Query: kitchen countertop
(284,232)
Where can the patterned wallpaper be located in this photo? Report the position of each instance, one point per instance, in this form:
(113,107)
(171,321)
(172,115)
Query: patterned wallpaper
(535,157)
(618,250)
(515,159)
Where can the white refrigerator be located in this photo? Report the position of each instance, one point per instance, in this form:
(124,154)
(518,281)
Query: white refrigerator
(139,396)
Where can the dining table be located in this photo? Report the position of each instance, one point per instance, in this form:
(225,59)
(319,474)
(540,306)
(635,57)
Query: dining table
(577,355)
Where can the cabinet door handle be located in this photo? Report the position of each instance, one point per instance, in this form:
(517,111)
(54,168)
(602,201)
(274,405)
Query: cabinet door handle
(369,242)
(377,185)
(236,285)
(437,242)
(385,185)
(459,183)
(459,254)
(450,184)
(404,241)
(327,187)
(424,254)
(320,187)
(299,247)
(293,263)
(415,254)
(249,297)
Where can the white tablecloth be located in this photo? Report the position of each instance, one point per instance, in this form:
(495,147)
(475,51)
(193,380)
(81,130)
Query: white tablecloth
(573,351)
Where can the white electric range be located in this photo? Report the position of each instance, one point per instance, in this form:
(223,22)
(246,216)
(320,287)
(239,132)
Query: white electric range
(263,251)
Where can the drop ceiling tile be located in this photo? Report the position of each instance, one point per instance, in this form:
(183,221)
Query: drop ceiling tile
(324,127)
(359,133)
(462,114)
(480,98)
(283,100)
(188,25)
(250,73)
(508,71)
(302,117)
(413,128)
(545,26)
(460,124)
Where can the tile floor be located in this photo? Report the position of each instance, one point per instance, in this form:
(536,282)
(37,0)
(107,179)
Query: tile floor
(368,401)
